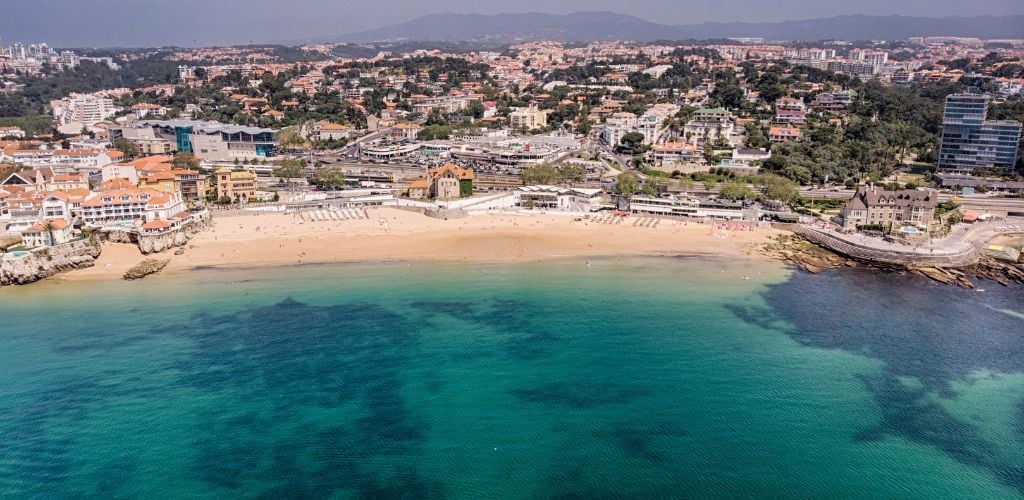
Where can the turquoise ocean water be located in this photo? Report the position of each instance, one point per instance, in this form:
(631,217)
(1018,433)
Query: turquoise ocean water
(641,377)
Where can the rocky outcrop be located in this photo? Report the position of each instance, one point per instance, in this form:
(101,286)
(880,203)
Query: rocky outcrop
(945,276)
(813,258)
(145,268)
(156,243)
(46,262)
(118,237)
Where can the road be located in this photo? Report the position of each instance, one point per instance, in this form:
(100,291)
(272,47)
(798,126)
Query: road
(972,202)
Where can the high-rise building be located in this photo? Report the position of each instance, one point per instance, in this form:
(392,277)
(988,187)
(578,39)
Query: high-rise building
(969,141)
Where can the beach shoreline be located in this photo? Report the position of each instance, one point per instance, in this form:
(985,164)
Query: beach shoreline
(391,235)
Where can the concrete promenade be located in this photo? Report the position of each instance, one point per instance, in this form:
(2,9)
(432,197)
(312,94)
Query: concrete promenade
(959,249)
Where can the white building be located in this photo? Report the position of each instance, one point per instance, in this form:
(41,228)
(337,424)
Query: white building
(656,71)
(559,198)
(120,171)
(686,207)
(618,125)
(81,110)
(327,131)
(11,133)
(130,204)
(47,233)
(145,109)
(708,125)
(746,157)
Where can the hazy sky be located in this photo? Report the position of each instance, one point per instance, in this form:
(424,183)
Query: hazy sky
(101,23)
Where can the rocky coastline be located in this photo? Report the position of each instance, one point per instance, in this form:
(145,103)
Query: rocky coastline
(41,263)
(816,259)
(46,262)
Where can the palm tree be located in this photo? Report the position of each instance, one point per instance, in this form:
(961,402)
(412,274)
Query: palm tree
(49,227)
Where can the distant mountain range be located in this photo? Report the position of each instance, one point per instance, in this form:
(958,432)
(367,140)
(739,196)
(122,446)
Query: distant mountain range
(598,26)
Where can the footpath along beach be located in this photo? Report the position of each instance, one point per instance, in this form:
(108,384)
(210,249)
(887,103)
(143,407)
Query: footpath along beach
(395,235)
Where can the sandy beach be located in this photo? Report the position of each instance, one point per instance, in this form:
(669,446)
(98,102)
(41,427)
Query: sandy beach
(396,235)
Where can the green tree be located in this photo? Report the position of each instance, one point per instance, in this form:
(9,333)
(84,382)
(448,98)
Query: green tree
(433,132)
(436,117)
(631,141)
(187,161)
(728,95)
(583,125)
(756,137)
(571,174)
(49,227)
(476,109)
(289,139)
(649,189)
(736,191)
(540,174)
(130,150)
(627,184)
(781,189)
(290,168)
(331,178)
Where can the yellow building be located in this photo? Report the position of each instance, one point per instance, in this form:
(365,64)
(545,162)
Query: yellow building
(528,118)
(190,183)
(236,185)
(160,181)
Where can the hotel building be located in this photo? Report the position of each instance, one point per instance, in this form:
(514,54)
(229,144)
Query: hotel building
(969,141)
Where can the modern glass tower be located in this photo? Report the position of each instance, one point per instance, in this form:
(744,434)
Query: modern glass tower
(970,142)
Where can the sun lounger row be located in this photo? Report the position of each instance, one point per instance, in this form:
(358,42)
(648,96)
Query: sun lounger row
(646,222)
(607,219)
(334,214)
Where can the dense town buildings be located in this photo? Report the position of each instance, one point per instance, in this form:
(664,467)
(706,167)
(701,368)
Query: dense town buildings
(30,59)
(477,120)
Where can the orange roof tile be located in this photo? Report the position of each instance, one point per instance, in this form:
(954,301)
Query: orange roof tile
(156,224)
(57,224)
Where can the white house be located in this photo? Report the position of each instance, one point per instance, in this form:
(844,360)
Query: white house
(120,171)
(47,233)
(11,133)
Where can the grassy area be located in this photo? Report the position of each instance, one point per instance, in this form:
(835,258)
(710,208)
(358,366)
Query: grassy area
(919,179)
(32,125)
(654,173)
